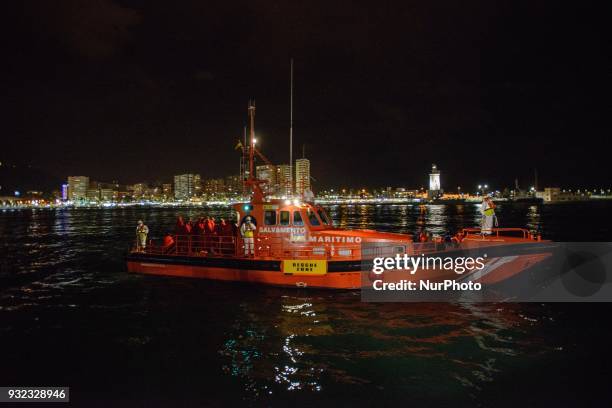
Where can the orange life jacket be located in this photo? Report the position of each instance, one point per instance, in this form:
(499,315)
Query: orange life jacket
(168,241)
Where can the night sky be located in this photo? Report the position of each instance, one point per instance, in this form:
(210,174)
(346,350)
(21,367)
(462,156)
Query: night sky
(142,90)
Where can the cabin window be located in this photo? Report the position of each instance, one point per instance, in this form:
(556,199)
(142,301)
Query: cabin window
(323,216)
(284,218)
(297,218)
(270,217)
(312,218)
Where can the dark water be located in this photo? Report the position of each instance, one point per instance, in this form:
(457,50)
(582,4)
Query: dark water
(70,315)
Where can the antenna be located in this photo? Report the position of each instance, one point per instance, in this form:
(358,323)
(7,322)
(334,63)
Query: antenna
(258,196)
(291,132)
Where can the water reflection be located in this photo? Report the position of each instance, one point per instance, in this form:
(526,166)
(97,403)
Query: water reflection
(533,217)
(406,218)
(63,279)
(312,343)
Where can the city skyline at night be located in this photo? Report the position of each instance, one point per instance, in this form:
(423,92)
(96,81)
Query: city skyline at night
(378,95)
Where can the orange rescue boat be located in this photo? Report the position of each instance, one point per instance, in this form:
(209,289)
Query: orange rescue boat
(296,245)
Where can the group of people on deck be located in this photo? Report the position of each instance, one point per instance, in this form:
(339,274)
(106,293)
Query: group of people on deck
(205,226)
(205,234)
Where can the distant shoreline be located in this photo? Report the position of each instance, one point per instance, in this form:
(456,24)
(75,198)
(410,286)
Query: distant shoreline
(104,206)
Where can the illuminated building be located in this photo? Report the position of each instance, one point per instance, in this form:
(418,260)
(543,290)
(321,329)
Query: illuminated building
(302,176)
(186,186)
(93,194)
(555,194)
(233,185)
(154,193)
(434,178)
(108,194)
(214,187)
(64,192)
(267,172)
(77,187)
(434,183)
(138,190)
(283,179)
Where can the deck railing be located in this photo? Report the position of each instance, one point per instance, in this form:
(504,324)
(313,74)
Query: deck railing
(192,245)
(501,232)
(279,247)
(273,247)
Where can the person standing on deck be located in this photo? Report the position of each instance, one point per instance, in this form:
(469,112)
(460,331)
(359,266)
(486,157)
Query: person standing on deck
(247,230)
(141,236)
(168,242)
(224,235)
(209,230)
(487,209)
(180,225)
(211,226)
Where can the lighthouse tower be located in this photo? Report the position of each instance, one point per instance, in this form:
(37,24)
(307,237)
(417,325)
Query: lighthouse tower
(434,183)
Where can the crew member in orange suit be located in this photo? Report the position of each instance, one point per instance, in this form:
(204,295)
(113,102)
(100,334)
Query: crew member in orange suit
(209,231)
(168,242)
(180,225)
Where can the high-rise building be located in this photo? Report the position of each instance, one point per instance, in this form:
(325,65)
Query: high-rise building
(186,186)
(77,187)
(302,176)
(283,179)
(267,172)
(197,185)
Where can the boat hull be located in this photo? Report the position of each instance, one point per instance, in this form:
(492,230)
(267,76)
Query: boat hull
(503,263)
(340,275)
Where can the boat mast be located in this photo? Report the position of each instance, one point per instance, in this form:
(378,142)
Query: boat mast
(251,181)
(291,132)
(252,138)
